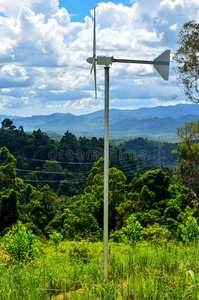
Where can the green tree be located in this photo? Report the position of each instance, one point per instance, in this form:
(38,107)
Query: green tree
(187,60)
(126,208)
(158,182)
(79,217)
(68,189)
(8,124)
(9,211)
(117,184)
(188,150)
(35,211)
(191,230)
(97,169)
(50,202)
(42,207)
(7,169)
(133,231)
(147,198)
(52,171)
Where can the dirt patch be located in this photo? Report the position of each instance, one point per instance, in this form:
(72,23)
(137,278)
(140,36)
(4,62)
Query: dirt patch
(68,294)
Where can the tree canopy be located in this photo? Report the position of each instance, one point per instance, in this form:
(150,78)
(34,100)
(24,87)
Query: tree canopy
(187,60)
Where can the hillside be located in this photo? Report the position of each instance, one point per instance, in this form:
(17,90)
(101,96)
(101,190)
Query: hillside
(158,121)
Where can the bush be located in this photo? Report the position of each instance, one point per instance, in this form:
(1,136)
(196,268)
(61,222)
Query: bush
(156,233)
(80,252)
(20,244)
(116,236)
(190,230)
(133,231)
(55,239)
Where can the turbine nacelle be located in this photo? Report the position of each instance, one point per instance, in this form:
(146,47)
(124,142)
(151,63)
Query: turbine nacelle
(101,60)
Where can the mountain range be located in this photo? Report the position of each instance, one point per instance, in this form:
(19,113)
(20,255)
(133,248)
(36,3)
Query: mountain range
(156,121)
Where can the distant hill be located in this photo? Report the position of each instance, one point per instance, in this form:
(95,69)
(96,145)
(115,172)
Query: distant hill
(2,117)
(152,125)
(160,120)
(173,111)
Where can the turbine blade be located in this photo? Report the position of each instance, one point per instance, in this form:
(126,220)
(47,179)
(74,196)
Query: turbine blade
(94,54)
(95,79)
(93,64)
(94,36)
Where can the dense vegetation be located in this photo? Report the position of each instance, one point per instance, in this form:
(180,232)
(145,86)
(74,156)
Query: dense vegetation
(58,186)
(56,190)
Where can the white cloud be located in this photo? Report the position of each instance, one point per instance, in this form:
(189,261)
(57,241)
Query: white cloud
(43,53)
(13,76)
(174,26)
(12,9)
(5,91)
(42,87)
(172,4)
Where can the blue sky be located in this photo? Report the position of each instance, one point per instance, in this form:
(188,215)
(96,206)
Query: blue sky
(44,46)
(79,9)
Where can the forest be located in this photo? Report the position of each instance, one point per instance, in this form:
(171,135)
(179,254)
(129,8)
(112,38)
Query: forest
(58,185)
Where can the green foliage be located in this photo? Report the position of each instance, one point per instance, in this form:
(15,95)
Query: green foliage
(147,198)
(67,188)
(117,236)
(20,244)
(133,231)
(152,197)
(161,151)
(126,208)
(186,59)
(56,224)
(190,230)
(148,217)
(117,185)
(190,211)
(188,169)
(156,233)
(158,182)
(9,211)
(7,169)
(55,238)
(80,252)
(42,207)
(79,221)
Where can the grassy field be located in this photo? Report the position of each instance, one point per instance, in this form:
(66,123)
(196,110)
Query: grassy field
(75,271)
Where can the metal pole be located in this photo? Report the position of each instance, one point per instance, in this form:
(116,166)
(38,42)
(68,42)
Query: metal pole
(106,170)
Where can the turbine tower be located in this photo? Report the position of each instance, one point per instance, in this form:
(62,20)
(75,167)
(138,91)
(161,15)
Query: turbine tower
(161,64)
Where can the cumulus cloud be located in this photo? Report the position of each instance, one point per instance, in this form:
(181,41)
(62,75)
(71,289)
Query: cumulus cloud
(14,76)
(43,53)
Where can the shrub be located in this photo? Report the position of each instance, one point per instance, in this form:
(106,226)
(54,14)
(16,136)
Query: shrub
(20,244)
(190,230)
(133,231)
(80,252)
(116,236)
(156,233)
(55,239)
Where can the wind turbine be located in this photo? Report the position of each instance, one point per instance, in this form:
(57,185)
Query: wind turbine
(161,64)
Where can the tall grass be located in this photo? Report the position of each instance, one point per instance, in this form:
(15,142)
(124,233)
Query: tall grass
(148,271)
